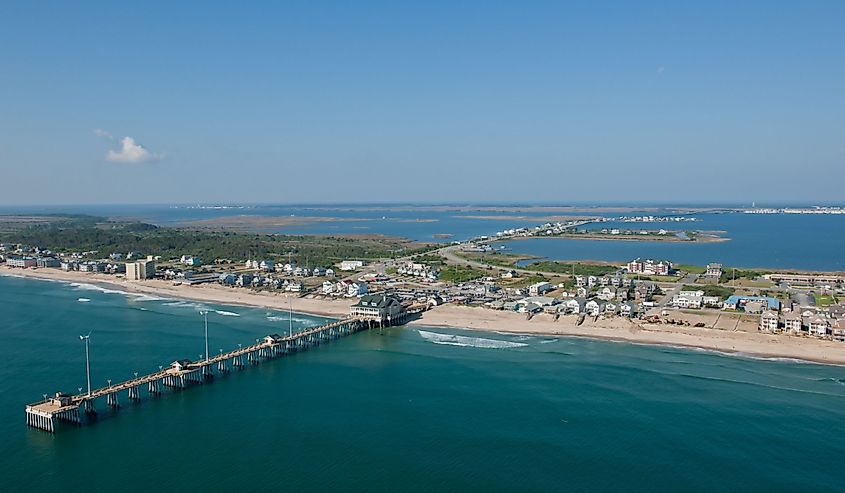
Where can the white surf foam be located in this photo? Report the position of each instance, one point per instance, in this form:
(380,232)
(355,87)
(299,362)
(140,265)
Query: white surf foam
(547,341)
(463,341)
(227,314)
(83,300)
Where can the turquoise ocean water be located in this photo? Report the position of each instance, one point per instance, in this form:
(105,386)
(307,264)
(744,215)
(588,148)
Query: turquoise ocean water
(407,409)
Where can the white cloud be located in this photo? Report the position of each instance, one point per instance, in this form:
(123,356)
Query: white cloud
(131,152)
(99,132)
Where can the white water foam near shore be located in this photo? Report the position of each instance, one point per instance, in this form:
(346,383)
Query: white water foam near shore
(464,341)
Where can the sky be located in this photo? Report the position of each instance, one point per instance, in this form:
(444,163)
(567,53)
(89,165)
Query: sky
(395,101)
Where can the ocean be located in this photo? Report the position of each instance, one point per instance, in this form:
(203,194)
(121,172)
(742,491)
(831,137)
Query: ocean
(403,409)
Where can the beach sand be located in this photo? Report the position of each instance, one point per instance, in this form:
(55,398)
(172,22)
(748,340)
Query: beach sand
(746,340)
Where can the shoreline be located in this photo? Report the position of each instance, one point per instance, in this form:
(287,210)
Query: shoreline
(747,342)
(583,236)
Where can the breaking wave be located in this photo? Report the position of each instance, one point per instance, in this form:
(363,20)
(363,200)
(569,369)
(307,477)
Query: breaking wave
(83,300)
(463,341)
(227,314)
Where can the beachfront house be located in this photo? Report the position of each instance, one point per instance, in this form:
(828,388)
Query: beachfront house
(737,302)
(792,323)
(688,299)
(837,330)
(594,307)
(769,322)
(818,326)
(576,305)
(628,309)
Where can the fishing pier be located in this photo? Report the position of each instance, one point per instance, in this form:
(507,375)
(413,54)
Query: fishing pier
(48,413)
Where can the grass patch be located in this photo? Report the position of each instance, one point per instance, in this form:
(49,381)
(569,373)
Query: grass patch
(711,290)
(461,273)
(692,269)
(577,269)
(825,299)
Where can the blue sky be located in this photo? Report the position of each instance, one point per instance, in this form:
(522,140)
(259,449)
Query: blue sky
(421,101)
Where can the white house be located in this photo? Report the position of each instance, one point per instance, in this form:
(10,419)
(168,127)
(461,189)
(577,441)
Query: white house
(607,293)
(819,327)
(351,265)
(540,288)
(770,321)
(594,307)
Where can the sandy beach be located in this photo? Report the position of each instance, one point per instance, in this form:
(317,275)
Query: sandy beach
(745,341)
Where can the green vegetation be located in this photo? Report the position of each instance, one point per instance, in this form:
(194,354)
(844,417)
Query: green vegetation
(729,274)
(86,233)
(460,273)
(507,260)
(578,269)
(691,269)
(711,290)
(429,259)
(825,299)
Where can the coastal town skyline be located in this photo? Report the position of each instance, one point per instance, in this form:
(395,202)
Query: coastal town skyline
(331,103)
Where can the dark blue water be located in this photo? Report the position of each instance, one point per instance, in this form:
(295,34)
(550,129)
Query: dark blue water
(407,409)
(811,242)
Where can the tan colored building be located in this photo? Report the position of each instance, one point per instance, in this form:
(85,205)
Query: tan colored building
(142,269)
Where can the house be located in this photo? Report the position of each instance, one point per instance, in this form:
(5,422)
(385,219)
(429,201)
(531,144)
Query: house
(329,272)
(328,287)
(227,279)
(540,288)
(580,281)
(318,271)
(244,280)
(348,265)
(737,302)
(688,299)
(711,301)
(581,292)
(591,281)
(628,309)
(838,330)
(191,260)
(607,293)
(769,322)
(383,308)
(356,288)
(819,327)
(294,287)
(645,290)
(610,307)
(267,265)
(713,271)
(575,305)
(508,274)
(47,262)
(792,322)
(594,307)
(754,307)
(541,301)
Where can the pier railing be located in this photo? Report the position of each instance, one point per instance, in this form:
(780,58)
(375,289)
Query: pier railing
(48,413)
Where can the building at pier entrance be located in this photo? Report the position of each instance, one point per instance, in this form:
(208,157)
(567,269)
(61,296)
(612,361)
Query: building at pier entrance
(382,308)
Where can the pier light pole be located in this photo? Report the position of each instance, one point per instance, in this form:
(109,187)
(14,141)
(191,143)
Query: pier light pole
(205,316)
(290,317)
(87,361)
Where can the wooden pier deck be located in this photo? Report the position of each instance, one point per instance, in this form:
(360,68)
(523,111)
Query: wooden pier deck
(48,413)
